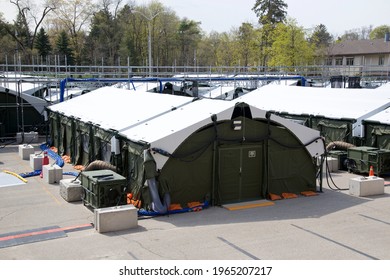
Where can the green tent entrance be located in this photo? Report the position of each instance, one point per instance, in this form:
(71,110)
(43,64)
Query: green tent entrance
(240,173)
(224,165)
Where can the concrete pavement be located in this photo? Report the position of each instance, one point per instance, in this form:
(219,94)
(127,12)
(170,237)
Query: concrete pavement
(331,226)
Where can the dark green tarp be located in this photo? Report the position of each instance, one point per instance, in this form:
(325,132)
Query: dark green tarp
(377,135)
(216,163)
(224,165)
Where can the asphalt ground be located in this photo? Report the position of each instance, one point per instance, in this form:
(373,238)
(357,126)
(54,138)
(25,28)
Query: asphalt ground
(36,223)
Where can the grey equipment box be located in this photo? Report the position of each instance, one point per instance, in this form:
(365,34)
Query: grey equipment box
(116,218)
(71,190)
(103,188)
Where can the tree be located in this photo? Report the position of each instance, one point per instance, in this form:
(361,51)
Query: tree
(73,16)
(42,43)
(349,35)
(379,32)
(189,34)
(164,34)
(7,42)
(64,50)
(103,39)
(29,17)
(208,49)
(246,38)
(270,11)
(362,33)
(227,50)
(321,38)
(290,47)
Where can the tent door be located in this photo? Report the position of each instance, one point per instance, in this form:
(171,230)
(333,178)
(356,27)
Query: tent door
(240,173)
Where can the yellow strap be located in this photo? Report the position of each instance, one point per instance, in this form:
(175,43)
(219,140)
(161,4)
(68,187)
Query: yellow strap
(16,175)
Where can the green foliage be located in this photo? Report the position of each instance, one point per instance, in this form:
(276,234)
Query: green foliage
(42,43)
(349,36)
(247,44)
(63,49)
(116,34)
(290,47)
(321,38)
(379,32)
(7,42)
(22,32)
(103,40)
(270,11)
(188,35)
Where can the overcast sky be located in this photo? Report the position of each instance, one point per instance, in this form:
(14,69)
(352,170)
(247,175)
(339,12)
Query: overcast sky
(337,15)
(221,15)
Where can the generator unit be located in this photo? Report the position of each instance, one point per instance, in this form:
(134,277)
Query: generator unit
(341,156)
(360,159)
(103,188)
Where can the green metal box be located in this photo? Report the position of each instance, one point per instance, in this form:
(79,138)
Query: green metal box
(360,159)
(103,188)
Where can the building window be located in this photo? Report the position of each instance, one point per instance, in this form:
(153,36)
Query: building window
(382,60)
(339,61)
(349,61)
(328,61)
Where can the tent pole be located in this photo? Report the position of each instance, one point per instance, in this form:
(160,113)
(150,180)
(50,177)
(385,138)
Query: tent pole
(212,197)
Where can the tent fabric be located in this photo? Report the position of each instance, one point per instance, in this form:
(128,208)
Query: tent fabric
(191,143)
(319,105)
(285,165)
(378,135)
(331,103)
(334,130)
(377,129)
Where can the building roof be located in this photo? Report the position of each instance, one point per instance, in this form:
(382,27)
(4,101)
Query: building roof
(360,47)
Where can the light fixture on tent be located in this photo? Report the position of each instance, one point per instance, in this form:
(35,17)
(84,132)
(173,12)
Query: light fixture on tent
(237,125)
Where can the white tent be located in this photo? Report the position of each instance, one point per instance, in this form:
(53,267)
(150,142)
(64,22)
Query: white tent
(160,119)
(192,142)
(337,104)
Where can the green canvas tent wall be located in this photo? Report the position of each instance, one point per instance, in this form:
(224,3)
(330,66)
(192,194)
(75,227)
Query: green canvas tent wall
(196,150)
(20,111)
(377,130)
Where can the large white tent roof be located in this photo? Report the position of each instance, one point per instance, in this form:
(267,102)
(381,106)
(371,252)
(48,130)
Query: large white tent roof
(162,120)
(332,103)
(119,109)
(328,102)
(381,117)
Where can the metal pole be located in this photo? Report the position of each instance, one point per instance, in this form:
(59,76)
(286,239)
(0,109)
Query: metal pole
(149,19)
(150,48)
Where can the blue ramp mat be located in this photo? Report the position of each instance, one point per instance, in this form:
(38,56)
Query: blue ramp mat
(30,236)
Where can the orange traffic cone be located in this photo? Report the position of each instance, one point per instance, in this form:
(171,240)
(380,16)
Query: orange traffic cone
(371,171)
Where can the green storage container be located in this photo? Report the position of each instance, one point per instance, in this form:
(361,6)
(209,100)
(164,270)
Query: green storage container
(360,159)
(103,188)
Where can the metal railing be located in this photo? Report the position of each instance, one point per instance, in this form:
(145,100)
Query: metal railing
(321,72)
